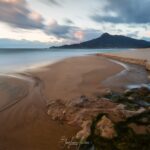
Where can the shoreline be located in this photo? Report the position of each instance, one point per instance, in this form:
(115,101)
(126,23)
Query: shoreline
(51,104)
(28,76)
(44,63)
(139,57)
(33,108)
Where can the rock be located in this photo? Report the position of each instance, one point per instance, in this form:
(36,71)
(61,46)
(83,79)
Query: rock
(141,110)
(128,92)
(108,92)
(56,109)
(132,93)
(80,102)
(131,98)
(115,97)
(56,103)
(139,96)
(138,129)
(85,132)
(120,107)
(147,99)
(147,65)
(143,91)
(145,120)
(105,128)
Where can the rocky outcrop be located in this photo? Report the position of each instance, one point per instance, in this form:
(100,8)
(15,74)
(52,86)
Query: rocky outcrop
(133,99)
(84,108)
(128,134)
(118,107)
(57,110)
(105,128)
(85,132)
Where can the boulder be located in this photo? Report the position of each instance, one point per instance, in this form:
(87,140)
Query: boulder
(105,128)
(85,132)
(120,107)
(79,102)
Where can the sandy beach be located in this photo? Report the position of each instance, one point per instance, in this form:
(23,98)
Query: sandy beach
(138,56)
(24,122)
(76,76)
(32,108)
(143,54)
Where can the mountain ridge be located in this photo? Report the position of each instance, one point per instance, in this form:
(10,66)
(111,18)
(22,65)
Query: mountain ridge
(107,40)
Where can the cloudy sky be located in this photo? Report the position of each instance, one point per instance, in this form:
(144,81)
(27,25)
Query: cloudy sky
(43,23)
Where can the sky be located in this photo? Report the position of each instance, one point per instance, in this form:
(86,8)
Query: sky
(45,23)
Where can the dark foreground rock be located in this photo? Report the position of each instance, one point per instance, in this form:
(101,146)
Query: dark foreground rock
(132,98)
(125,138)
(108,120)
(133,133)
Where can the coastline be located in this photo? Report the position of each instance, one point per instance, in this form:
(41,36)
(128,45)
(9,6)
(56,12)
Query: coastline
(139,57)
(51,89)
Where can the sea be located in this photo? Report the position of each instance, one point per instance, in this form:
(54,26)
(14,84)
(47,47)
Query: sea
(16,60)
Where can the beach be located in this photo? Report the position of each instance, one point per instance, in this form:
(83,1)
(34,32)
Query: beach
(139,56)
(39,107)
(24,120)
(74,75)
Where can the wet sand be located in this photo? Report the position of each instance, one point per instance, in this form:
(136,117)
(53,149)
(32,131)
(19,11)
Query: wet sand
(24,122)
(132,76)
(76,76)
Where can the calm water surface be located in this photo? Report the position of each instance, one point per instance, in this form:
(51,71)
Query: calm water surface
(12,60)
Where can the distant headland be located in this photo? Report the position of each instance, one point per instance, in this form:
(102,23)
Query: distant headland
(107,40)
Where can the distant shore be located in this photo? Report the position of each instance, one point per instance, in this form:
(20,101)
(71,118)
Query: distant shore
(47,98)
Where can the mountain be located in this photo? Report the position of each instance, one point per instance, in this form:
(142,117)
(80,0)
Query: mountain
(109,41)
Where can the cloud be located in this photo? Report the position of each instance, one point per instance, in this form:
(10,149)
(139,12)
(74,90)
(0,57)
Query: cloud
(70,33)
(17,14)
(91,34)
(79,35)
(86,34)
(58,30)
(124,11)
